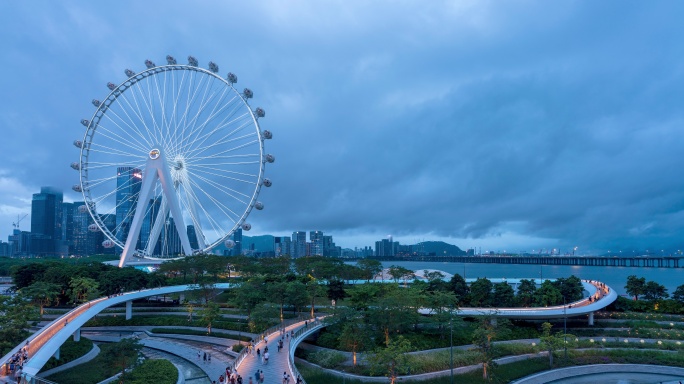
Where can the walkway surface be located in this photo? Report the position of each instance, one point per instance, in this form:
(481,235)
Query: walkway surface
(277,362)
(625,370)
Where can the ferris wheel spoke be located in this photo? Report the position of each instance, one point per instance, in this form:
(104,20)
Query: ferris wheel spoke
(223,189)
(102,130)
(147,103)
(199,141)
(227,177)
(134,106)
(112,151)
(215,225)
(242,146)
(222,142)
(221,206)
(195,128)
(209,165)
(209,168)
(177,96)
(201,147)
(132,128)
(199,108)
(196,159)
(163,127)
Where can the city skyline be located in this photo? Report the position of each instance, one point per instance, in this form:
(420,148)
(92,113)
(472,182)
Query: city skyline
(523,125)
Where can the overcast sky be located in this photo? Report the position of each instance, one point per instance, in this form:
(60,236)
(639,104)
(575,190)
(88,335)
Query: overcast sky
(513,125)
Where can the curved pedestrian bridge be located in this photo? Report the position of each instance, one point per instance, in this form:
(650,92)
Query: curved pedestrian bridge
(45,343)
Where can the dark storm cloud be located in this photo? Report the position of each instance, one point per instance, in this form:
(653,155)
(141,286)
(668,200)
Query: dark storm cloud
(533,123)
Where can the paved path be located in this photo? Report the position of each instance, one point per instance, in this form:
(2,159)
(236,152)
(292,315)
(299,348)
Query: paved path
(277,363)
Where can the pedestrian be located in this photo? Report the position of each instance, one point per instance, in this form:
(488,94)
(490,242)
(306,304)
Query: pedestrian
(261,377)
(205,357)
(198,354)
(209,357)
(250,380)
(221,379)
(299,379)
(284,377)
(258,353)
(17,375)
(266,356)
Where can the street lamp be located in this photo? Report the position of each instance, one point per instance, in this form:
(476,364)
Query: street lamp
(451,344)
(565,328)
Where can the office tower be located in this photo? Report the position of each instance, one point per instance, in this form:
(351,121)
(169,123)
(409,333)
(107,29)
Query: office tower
(316,239)
(68,226)
(385,247)
(151,212)
(170,241)
(237,238)
(282,245)
(46,222)
(128,182)
(298,244)
(192,237)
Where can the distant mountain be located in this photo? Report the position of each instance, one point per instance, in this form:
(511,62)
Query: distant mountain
(438,248)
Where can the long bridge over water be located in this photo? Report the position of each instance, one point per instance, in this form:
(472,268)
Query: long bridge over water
(589,261)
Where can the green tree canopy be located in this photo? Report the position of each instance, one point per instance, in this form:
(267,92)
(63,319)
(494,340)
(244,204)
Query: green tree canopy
(635,286)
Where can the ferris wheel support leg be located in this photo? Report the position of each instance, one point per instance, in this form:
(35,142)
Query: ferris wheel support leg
(149,177)
(164,175)
(157,227)
(195,219)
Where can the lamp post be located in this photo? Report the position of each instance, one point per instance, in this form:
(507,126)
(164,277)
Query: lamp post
(565,328)
(451,344)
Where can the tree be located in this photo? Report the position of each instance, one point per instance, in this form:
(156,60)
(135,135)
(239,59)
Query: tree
(360,296)
(82,289)
(459,287)
(335,291)
(654,291)
(369,267)
(570,288)
(487,330)
(553,342)
(261,318)
(504,296)
(122,355)
(635,286)
(210,313)
(678,294)
(42,294)
(277,292)
(481,293)
(354,337)
(296,295)
(398,272)
(548,294)
(16,312)
(392,360)
(526,292)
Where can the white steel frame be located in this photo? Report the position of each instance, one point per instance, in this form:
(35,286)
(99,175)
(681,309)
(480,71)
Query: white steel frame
(161,168)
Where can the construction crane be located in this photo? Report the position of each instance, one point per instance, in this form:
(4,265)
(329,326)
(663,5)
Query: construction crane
(19,219)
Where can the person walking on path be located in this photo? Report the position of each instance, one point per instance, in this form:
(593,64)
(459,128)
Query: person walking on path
(209,357)
(261,377)
(258,353)
(205,357)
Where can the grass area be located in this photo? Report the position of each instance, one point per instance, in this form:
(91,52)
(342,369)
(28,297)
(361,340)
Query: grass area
(176,331)
(509,372)
(153,371)
(182,321)
(93,371)
(70,351)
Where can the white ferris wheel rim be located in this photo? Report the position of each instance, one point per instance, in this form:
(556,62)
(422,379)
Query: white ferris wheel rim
(130,85)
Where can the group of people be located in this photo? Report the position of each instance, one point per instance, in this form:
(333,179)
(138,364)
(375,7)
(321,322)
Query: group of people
(205,356)
(15,363)
(231,377)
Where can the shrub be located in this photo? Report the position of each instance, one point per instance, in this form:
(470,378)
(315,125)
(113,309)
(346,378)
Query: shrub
(237,347)
(153,371)
(327,359)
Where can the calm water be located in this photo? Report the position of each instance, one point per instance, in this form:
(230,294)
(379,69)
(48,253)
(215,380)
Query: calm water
(615,277)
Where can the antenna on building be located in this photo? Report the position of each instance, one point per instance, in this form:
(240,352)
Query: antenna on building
(19,219)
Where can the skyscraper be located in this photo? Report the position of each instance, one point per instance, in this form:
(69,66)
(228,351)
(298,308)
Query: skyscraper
(68,226)
(151,213)
(46,222)
(282,245)
(316,238)
(128,183)
(298,244)
(192,237)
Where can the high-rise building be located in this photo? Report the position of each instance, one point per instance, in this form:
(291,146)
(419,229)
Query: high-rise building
(68,226)
(46,222)
(298,244)
(316,239)
(192,237)
(151,213)
(170,240)
(385,247)
(128,183)
(282,245)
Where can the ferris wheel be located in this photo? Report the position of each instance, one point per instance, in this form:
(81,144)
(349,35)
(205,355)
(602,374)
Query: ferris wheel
(172,161)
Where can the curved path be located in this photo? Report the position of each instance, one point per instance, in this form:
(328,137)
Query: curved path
(668,373)
(45,343)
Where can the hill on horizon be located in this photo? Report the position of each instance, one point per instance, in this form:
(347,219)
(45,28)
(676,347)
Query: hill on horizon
(438,248)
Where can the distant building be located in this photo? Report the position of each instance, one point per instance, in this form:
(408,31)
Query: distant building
(68,227)
(385,248)
(192,237)
(151,214)
(46,222)
(298,244)
(128,183)
(282,245)
(316,248)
